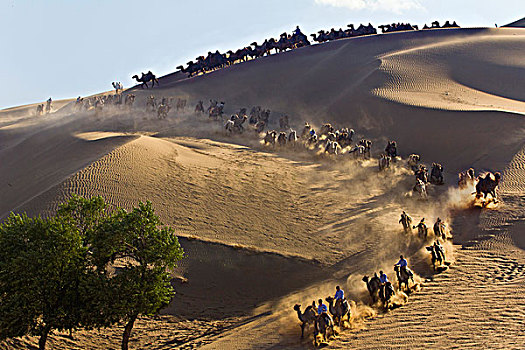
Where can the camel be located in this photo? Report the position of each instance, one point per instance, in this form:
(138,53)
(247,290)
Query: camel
(384,162)
(323,324)
(373,285)
(312,140)
(422,173)
(403,276)
(181,104)
(325,129)
(422,229)
(388,292)
(358,151)
(305,134)
(439,229)
(436,174)
(199,108)
(406,221)
(259,127)
(309,316)
(345,137)
(413,161)
(367,144)
(117,86)
(129,100)
(216,112)
(332,147)
(269,138)
(487,185)
(421,188)
(281,139)
(255,114)
(339,310)
(163,111)
(466,178)
(391,149)
(438,255)
(193,68)
(48,105)
(228,126)
(145,79)
(150,102)
(292,137)
(40,109)
(238,121)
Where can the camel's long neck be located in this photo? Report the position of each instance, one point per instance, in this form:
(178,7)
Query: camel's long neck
(300,315)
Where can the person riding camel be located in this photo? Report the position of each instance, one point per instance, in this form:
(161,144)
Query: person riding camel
(391,149)
(339,293)
(439,228)
(402,263)
(322,311)
(321,308)
(406,221)
(384,280)
(48,105)
(422,229)
(438,248)
(297,31)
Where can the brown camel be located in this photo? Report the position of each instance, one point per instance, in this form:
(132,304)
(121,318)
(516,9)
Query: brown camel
(373,285)
(323,326)
(487,185)
(309,316)
(339,310)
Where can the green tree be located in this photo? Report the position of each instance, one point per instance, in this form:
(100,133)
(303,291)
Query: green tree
(83,267)
(143,252)
(42,265)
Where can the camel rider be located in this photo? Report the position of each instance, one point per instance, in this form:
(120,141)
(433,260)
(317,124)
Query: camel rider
(438,248)
(402,263)
(405,220)
(439,229)
(321,308)
(297,31)
(339,294)
(383,279)
(422,228)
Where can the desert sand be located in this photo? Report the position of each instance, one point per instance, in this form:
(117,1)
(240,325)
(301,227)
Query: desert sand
(265,228)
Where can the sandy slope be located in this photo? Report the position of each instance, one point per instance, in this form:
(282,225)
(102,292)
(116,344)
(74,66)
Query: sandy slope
(265,229)
(519,23)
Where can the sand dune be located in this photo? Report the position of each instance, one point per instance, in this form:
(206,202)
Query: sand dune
(266,228)
(519,23)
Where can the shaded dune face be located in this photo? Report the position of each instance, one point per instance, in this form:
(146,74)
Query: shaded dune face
(264,229)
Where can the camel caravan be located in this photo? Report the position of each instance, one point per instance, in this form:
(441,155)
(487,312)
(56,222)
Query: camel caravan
(161,107)
(397,27)
(380,288)
(216,60)
(336,143)
(338,313)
